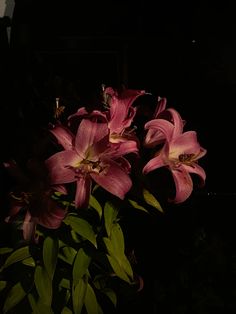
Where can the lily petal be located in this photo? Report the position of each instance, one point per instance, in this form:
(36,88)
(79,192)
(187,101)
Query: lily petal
(83,190)
(183,185)
(186,143)
(80,112)
(59,167)
(88,133)
(114,180)
(64,136)
(154,163)
(125,148)
(177,121)
(198,170)
(83,113)
(124,164)
(60,188)
(161,106)
(28,227)
(121,112)
(153,138)
(164,126)
(52,216)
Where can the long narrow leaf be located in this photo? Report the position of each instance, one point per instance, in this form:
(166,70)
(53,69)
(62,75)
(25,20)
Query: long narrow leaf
(151,200)
(137,206)
(3,285)
(66,310)
(17,256)
(111,295)
(95,204)
(50,253)
(117,268)
(29,262)
(67,254)
(80,266)
(117,240)
(5,250)
(110,216)
(15,296)
(90,301)
(43,284)
(82,227)
(78,295)
(38,307)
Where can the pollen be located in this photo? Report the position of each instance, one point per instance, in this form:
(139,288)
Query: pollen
(186,158)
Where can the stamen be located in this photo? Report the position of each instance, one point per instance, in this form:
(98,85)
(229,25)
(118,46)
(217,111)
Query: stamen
(185,157)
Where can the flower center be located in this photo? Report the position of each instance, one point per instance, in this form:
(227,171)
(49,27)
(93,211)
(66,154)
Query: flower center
(87,166)
(186,158)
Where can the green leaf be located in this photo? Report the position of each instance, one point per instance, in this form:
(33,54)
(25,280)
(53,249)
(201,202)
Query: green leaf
(80,266)
(151,200)
(29,262)
(125,264)
(111,295)
(3,285)
(117,240)
(67,296)
(38,306)
(95,204)
(99,281)
(78,295)
(116,248)
(65,283)
(50,253)
(117,269)
(32,303)
(17,256)
(82,227)
(100,311)
(90,301)
(76,238)
(43,284)
(43,308)
(57,193)
(66,310)
(5,250)
(137,206)
(110,216)
(110,249)
(15,295)
(67,254)
(115,244)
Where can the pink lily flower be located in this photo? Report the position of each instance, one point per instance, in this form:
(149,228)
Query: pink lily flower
(180,154)
(88,157)
(82,113)
(32,197)
(120,109)
(120,116)
(121,112)
(154,136)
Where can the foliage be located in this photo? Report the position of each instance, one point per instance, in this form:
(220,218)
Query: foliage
(69,252)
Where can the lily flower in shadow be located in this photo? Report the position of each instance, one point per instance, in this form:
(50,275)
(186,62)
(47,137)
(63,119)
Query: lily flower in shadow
(30,201)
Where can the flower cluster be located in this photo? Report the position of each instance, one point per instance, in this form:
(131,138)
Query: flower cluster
(78,193)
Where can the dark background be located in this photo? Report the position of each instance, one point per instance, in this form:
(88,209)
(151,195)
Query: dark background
(177,49)
(185,52)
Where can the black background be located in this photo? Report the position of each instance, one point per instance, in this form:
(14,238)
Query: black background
(185,52)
